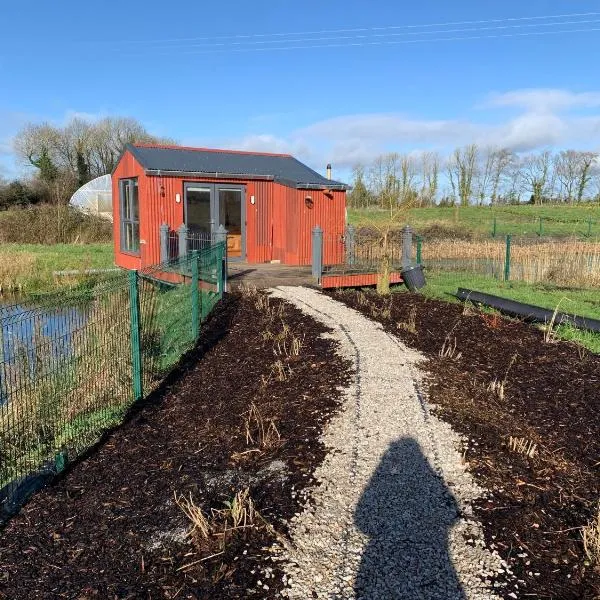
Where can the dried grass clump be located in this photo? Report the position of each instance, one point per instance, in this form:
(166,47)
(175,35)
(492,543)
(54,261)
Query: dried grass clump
(248,290)
(590,534)
(15,269)
(260,431)
(497,388)
(523,446)
(449,350)
(200,525)
(410,324)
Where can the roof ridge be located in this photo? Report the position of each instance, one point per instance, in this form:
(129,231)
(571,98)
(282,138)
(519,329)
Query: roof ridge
(215,150)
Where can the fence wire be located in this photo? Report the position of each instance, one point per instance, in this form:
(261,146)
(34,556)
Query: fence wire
(68,368)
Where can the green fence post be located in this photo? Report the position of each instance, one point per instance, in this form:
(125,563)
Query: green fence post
(507,259)
(195,297)
(136,352)
(419,248)
(589,227)
(494,228)
(541,227)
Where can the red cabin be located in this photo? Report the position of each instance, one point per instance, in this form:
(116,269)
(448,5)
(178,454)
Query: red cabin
(268,203)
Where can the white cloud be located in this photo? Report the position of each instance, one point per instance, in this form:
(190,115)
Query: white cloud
(545,100)
(548,118)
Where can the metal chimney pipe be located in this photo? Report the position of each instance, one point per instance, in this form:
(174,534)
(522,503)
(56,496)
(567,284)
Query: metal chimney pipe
(328,171)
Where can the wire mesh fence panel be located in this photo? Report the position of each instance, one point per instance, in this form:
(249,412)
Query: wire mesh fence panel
(68,367)
(64,377)
(566,262)
(362,250)
(189,242)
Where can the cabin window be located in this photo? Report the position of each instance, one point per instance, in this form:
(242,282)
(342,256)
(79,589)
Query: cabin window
(130,216)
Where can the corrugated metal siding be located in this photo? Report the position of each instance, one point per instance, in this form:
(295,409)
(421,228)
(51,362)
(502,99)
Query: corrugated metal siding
(302,216)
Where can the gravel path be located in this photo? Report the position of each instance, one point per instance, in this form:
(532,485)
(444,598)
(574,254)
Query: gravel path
(390,517)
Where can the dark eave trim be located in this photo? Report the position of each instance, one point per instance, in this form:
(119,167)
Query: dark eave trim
(200,174)
(320,186)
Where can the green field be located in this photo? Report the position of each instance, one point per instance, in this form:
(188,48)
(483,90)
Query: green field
(29,268)
(557,220)
(579,302)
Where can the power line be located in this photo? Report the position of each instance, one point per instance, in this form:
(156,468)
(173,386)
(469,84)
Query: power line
(358,29)
(378,35)
(379,42)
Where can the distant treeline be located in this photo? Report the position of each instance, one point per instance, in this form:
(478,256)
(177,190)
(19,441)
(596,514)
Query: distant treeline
(64,158)
(472,175)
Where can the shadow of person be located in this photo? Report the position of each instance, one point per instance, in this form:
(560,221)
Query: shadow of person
(407,511)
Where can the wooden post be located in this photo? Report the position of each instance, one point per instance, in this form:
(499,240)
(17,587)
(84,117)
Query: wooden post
(419,249)
(136,353)
(541,227)
(164,242)
(182,233)
(494,227)
(406,246)
(317,253)
(507,259)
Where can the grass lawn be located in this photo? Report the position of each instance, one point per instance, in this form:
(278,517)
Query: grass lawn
(29,268)
(583,302)
(519,220)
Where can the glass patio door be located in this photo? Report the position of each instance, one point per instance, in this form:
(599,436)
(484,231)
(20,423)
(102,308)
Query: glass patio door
(230,200)
(208,206)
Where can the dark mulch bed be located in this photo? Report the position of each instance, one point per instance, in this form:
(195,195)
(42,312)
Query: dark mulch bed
(111,529)
(537,505)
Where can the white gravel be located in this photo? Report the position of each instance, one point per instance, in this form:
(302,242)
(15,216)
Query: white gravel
(391,515)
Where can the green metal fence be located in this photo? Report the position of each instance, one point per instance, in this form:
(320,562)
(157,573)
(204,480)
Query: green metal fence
(72,364)
(557,261)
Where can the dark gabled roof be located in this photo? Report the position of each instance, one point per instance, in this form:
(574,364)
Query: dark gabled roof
(282,168)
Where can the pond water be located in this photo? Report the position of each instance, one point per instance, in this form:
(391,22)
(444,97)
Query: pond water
(31,336)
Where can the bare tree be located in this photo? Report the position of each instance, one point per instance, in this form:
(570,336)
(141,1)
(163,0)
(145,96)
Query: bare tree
(462,172)
(484,176)
(502,162)
(80,148)
(535,175)
(408,178)
(359,197)
(430,167)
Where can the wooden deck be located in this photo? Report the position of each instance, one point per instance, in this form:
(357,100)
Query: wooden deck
(268,275)
(271,275)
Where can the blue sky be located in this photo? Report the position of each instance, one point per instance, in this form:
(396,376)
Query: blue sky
(214,73)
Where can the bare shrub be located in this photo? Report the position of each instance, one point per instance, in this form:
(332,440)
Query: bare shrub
(52,224)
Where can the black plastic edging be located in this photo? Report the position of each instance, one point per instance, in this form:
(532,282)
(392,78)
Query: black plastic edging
(528,312)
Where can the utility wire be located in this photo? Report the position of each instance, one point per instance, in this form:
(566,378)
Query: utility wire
(382,35)
(350,44)
(357,29)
